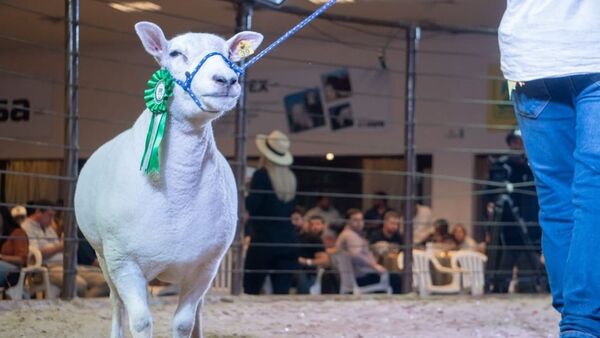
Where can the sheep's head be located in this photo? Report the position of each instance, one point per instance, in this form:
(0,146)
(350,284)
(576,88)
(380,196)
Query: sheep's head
(215,85)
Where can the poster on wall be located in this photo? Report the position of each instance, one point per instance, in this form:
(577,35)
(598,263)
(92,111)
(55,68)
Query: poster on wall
(304,110)
(336,85)
(500,110)
(341,117)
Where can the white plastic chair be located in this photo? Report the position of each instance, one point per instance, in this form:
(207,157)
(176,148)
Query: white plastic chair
(400,264)
(25,287)
(343,263)
(268,285)
(422,272)
(315,289)
(472,266)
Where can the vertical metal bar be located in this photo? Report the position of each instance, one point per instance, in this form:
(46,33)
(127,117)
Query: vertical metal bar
(72,139)
(412,37)
(243,23)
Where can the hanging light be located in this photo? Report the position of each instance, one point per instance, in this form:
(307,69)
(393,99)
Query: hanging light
(135,6)
(275,3)
(320,2)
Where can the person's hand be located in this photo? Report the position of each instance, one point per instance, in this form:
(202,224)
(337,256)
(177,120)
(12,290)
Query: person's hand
(305,261)
(60,245)
(488,237)
(490,210)
(380,268)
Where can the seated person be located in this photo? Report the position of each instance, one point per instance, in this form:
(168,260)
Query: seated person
(465,242)
(441,237)
(90,281)
(13,250)
(366,269)
(297,219)
(312,252)
(390,232)
(325,209)
(86,255)
(374,217)
(387,241)
(18,213)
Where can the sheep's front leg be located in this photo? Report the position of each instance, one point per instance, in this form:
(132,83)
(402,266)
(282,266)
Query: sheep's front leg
(131,286)
(116,302)
(188,317)
(199,324)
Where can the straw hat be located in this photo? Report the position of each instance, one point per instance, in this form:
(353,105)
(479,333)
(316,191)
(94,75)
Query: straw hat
(275,147)
(18,210)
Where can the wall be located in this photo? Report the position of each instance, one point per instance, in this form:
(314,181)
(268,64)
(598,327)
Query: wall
(111,99)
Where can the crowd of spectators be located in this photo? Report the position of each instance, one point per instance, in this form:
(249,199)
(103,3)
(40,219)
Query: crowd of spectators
(286,247)
(40,228)
(372,243)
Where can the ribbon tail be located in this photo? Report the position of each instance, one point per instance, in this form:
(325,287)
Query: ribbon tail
(151,158)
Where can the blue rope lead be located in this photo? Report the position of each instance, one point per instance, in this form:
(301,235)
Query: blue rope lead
(289,34)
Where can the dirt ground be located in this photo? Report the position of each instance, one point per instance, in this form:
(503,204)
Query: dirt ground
(295,316)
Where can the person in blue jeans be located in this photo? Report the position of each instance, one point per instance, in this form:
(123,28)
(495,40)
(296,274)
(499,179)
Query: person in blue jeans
(551,57)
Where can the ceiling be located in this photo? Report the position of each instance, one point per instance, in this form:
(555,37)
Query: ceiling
(42,21)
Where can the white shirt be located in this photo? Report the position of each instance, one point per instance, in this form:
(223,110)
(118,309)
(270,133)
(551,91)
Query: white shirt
(468,244)
(422,223)
(331,215)
(41,238)
(549,38)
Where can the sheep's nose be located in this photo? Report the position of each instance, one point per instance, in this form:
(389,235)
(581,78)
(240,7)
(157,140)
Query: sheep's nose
(225,81)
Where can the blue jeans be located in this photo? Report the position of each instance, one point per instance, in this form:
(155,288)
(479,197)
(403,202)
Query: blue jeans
(560,122)
(5,269)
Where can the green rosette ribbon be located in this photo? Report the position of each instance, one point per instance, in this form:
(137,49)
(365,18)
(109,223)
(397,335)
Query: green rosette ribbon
(160,89)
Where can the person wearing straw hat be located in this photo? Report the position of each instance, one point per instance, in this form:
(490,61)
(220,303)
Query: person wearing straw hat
(270,203)
(18,213)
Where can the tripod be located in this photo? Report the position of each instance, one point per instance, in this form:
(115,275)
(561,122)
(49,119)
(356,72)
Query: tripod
(505,210)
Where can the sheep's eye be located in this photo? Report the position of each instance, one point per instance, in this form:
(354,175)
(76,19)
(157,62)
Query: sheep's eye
(174,53)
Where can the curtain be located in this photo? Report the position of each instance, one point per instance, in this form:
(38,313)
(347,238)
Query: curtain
(393,185)
(20,189)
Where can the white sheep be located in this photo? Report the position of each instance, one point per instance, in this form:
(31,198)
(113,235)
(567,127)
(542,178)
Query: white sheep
(176,226)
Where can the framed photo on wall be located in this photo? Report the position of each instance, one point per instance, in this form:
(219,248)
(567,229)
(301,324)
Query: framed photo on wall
(304,110)
(341,117)
(336,85)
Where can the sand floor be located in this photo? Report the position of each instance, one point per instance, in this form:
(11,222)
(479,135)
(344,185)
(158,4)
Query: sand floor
(376,316)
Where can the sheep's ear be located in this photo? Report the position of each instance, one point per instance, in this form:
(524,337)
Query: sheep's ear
(152,37)
(243,44)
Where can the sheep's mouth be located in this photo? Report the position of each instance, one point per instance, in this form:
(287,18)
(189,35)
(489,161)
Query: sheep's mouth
(217,103)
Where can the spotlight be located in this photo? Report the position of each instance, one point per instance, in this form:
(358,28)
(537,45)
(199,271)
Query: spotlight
(329,156)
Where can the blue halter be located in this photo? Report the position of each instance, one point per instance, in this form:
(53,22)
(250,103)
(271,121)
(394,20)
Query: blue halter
(187,84)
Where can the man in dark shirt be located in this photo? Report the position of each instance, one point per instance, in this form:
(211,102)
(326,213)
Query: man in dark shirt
(518,241)
(85,253)
(313,243)
(312,252)
(374,216)
(390,230)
